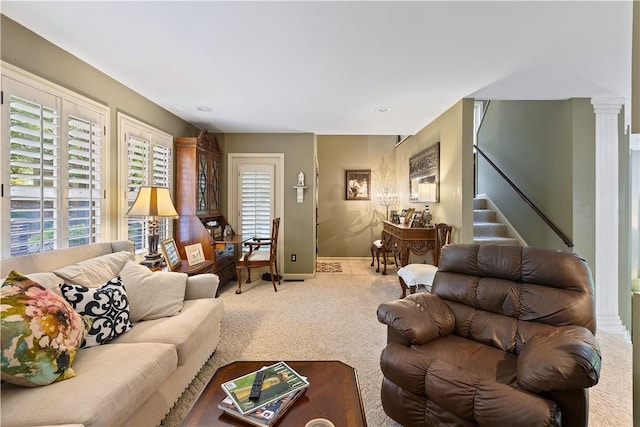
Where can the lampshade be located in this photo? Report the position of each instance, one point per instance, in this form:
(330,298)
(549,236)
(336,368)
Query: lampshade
(153,201)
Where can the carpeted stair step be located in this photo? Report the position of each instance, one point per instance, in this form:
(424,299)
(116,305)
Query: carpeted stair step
(479,204)
(493,240)
(484,215)
(489,229)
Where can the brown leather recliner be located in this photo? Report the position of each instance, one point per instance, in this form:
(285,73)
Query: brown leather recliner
(506,338)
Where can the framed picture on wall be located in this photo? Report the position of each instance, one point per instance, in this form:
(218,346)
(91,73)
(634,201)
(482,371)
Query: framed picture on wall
(358,184)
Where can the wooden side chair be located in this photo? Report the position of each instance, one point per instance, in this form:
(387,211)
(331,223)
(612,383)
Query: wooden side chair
(376,250)
(261,258)
(413,275)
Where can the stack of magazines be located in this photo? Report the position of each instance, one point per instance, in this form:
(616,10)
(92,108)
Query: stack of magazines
(281,386)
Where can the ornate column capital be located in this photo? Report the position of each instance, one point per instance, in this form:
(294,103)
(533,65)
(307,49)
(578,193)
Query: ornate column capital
(607,105)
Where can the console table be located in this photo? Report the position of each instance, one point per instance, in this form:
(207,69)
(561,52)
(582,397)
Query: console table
(403,239)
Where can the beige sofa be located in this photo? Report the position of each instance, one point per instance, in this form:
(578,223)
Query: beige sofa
(133,380)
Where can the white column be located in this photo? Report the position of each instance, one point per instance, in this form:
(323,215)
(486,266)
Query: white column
(607,206)
(634,143)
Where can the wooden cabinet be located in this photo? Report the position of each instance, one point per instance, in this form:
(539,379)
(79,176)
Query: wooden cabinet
(197,197)
(198,178)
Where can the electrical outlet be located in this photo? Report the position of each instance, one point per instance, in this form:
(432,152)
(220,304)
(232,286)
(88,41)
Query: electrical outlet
(293,257)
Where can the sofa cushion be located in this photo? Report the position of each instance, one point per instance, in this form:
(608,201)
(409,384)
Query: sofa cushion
(41,333)
(106,307)
(47,280)
(153,295)
(186,331)
(111,382)
(96,271)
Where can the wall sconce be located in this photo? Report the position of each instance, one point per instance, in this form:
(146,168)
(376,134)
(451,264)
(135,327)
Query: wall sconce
(300,188)
(153,203)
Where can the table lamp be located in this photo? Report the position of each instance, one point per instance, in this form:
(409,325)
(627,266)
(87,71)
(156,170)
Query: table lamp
(153,203)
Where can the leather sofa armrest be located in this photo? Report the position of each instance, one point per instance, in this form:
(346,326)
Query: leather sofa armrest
(419,318)
(563,358)
(202,286)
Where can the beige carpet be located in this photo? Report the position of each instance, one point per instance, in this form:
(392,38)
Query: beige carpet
(334,317)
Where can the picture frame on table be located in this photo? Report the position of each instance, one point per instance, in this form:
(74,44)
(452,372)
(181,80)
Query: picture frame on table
(358,184)
(416,221)
(409,216)
(195,255)
(170,253)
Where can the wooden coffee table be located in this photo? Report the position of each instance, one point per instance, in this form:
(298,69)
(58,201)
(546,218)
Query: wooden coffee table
(333,394)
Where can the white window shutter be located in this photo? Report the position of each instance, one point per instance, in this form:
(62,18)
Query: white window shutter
(256,200)
(137,176)
(34,173)
(84,180)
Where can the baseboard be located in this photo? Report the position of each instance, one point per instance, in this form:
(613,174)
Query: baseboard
(297,277)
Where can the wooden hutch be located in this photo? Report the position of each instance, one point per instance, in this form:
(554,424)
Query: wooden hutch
(198,165)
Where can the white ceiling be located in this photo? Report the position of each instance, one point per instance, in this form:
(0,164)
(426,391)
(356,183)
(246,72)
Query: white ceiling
(324,67)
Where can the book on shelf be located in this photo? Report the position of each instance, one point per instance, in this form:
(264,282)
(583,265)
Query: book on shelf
(279,381)
(264,416)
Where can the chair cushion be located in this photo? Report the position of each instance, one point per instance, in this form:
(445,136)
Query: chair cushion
(377,243)
(257,256)
(418,274)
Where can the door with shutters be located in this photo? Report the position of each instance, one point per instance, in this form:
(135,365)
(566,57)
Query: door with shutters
(255,200)
(255,195)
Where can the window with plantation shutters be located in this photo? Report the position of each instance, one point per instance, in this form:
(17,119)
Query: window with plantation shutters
(84,180)
(51,164)
(148,160)
(256,199)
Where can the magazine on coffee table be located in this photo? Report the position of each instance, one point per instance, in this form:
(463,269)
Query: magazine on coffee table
(279,380)
(266,415)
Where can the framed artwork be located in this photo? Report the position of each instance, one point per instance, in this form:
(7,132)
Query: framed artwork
(170,252)
(358,184)
(409,216)
(194,252)
(417,219)
(424,175)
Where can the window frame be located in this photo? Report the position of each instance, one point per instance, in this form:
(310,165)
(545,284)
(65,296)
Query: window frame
(67,103)
(155,137)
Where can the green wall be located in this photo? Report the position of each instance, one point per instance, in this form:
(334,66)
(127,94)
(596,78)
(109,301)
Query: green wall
(298,219)
(531,142)
(454,130)
(347,227)
(27,50)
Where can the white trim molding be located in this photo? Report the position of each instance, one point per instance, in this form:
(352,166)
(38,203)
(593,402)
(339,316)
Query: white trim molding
(607,206)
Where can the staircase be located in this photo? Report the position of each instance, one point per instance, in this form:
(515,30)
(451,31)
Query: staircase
(487,230)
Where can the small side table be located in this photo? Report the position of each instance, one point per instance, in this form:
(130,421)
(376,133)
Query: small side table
(207,266)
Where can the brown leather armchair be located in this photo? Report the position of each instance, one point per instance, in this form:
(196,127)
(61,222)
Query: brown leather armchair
(506,338)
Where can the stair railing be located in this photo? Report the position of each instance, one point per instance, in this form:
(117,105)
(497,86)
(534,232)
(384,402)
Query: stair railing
(566,239)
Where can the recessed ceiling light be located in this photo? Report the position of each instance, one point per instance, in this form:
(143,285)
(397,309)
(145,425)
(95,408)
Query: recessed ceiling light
(203,108)
(383,109)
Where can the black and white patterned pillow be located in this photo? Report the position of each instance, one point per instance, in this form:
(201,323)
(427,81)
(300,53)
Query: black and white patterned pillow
(106,307)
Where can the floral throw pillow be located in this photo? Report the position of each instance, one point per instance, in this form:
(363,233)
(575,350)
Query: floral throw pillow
(106,308)
(40,335)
